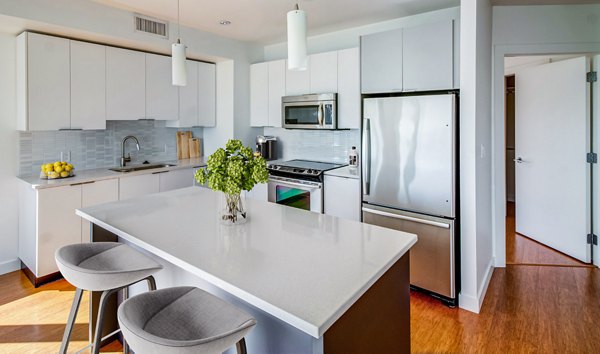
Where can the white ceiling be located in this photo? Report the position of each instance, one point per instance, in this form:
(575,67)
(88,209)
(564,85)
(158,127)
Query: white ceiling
(264,21)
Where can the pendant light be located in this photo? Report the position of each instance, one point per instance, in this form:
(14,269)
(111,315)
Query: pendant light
(296,32)
(179,73)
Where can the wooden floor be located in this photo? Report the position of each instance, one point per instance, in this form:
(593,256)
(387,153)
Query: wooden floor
(33,320)
(525,251)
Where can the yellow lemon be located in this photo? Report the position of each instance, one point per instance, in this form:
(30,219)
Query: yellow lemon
(64,174)
(53,175)
(58,169)
(68,168)
(49,166)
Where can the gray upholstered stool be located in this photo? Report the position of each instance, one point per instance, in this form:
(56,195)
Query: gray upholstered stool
(101,266)
(182,320)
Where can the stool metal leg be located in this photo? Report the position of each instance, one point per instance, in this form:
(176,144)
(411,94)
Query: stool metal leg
(99,322)
(241,346)
(71,322)
(125,297)
(151,283)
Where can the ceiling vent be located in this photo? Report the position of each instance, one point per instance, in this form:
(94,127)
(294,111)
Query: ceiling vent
(151,25)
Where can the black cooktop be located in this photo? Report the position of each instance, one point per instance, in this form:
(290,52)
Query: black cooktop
(303,167)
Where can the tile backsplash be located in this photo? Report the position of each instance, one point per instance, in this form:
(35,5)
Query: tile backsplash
(99,148)
(317,145)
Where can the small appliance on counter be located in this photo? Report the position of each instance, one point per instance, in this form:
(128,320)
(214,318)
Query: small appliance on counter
(298,183)
(265,146)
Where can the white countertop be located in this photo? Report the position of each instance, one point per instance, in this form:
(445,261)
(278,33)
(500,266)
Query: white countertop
(304,268)
(104,173)
(346,172)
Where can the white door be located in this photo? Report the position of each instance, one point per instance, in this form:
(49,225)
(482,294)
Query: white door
(552,139)
(162,97)
(207,94)
(88,86)
(596,174)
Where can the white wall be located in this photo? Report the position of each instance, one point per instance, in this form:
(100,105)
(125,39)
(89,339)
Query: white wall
(531,30)
(475,125)
(8,156)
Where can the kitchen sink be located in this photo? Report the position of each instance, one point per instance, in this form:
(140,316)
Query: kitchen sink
(140,167)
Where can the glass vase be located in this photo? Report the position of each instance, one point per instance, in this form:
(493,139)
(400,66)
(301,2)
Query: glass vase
(233,209)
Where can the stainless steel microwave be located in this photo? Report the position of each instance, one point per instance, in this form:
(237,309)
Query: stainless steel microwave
(315,111)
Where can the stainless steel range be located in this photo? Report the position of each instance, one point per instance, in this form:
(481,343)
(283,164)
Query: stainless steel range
(298,183)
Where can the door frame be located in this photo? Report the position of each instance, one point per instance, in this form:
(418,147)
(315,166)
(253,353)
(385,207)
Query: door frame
(498,133)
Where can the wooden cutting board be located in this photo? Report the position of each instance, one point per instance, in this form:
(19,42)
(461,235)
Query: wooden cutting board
(183,140)
(194,144)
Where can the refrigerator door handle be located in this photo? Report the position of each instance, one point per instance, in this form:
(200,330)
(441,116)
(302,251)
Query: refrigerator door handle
(408,218)
(366,149)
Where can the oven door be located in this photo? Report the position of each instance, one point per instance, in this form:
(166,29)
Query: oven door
(296,193)
(309,115)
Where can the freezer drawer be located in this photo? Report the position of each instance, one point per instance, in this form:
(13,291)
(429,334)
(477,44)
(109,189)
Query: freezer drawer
(432,258)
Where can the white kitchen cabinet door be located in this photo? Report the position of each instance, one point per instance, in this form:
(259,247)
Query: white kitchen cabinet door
(98,192)
(348,88)
(162,97)
(207,94)
(125,84)
(324,72)
(188,99)
(381,62)
(297,82)
(276,91)
(43,75)
(342,197)
(176,179)
(428,57)
(58,225)
(88,85)
(259,192)
(259,95)
(135,186)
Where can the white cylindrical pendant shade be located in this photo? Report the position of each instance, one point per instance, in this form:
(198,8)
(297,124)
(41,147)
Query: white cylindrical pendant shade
(296,32)
(179,72)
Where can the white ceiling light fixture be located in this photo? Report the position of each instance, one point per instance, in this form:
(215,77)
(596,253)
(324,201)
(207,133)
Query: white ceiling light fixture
(179,73)
(296,33)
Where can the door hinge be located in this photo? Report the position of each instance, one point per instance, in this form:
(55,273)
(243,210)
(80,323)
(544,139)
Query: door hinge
(592,239)
(592,157)
(592,76)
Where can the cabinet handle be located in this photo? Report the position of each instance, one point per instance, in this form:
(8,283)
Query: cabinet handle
(67,129)
(79,184)
(159,172)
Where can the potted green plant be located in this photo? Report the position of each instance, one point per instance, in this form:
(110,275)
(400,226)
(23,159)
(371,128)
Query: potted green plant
(232,170)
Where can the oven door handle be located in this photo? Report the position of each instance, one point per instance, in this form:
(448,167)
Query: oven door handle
(296,184)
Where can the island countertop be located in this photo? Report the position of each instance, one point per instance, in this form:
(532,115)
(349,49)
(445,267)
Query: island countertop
(304,268)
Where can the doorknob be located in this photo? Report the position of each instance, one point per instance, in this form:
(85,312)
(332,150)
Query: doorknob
(518,160)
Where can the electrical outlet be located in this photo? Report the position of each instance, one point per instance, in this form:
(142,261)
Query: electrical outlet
(65,156)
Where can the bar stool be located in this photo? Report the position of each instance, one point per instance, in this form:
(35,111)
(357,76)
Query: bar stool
(101,266)
(182,320)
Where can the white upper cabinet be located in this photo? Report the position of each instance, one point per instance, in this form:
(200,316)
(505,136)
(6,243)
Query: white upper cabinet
(162,98)
(125,84)
(324,73)
(43,82)
(188,99)
(297,82)
(259,94)
(207,94)
(88,86)
(381,62)
(276,91)
(428,57)
(348,83)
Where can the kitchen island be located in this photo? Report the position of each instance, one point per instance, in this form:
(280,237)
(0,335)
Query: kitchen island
(315,283)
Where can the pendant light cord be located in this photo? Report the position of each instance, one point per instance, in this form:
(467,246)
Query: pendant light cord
(178,24)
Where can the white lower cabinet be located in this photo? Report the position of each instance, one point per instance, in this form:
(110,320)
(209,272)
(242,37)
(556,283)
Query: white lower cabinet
(170,180)
(57,224)
(342,197)
(136,186)
(259,192)
(98,192)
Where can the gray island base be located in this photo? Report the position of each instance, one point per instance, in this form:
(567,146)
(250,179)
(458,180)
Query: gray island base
(314,283)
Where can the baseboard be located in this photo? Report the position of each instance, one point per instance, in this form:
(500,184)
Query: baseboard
(486,282)
(472,303)
(10,266)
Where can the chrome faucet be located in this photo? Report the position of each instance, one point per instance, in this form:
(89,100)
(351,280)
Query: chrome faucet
(125,160)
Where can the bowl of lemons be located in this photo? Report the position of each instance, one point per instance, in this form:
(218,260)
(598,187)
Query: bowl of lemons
(59,169)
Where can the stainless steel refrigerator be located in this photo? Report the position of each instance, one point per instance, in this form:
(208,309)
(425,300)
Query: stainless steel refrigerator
(409,181)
